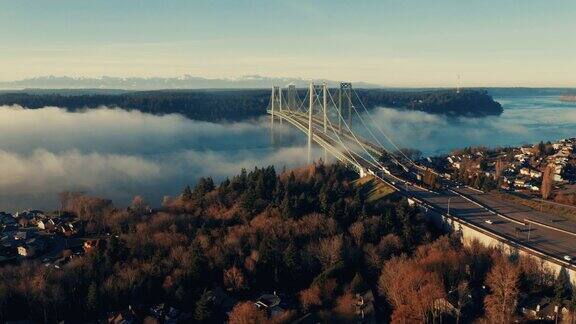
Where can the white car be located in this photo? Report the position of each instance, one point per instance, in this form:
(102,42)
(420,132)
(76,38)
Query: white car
(568,258)
(489,221)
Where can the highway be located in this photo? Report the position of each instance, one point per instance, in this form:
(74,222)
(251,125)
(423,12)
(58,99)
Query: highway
(499,218)
(508,221)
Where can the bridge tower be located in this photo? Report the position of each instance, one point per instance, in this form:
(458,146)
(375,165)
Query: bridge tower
(272,106)
(275,108)
(292,97)
(280,103)
(345,103)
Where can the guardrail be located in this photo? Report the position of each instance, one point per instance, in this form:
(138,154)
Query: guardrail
(518,222)
(549,227)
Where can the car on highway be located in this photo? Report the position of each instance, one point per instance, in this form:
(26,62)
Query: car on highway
(568,258)
(489,221)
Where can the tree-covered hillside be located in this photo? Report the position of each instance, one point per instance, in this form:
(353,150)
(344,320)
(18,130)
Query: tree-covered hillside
(312,238)
(215,105)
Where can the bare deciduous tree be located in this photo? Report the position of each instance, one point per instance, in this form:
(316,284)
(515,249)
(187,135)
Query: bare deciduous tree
(499,168)
(234,279)
(503,282)
(247,313)
(330,251)
(547,181)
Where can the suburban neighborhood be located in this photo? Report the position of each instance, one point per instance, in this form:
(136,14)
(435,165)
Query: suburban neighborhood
(523,170)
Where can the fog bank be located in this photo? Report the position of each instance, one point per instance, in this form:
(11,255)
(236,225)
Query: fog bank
(119,154)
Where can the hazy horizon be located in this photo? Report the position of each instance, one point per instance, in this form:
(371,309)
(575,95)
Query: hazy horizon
(393,44)
(55,82)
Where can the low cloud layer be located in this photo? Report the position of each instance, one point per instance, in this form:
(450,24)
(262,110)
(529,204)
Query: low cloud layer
(434,134)
(118,154)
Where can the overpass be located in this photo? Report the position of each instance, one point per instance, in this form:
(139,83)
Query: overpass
(325,117)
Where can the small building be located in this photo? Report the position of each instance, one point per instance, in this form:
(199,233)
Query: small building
(46,225)
(21,236)
(535,174)
(270,303)
(526,150)
(543,309)
(30,248)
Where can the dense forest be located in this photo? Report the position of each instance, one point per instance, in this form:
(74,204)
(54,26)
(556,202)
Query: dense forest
(313,236)
(216,105)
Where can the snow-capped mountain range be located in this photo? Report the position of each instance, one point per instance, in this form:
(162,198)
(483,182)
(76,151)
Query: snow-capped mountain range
(182,82)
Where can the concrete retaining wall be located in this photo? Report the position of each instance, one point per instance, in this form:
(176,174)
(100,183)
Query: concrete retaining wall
(471,232)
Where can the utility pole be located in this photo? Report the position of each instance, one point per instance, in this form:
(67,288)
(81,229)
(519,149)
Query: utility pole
(325,113)
(325,104)
(529,230)
(310,113)
(458,85)
(340,117)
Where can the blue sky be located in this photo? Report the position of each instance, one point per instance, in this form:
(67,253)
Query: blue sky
(394,43)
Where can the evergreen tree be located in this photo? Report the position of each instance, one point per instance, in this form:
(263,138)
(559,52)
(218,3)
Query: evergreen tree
(92,299)
(204,310)
(358,285)
(562,286)
(187,193)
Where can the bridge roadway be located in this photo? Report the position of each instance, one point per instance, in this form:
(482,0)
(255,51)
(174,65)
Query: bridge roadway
(507,219)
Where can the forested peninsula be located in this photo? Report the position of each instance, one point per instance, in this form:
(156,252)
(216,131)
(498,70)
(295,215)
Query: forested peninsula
(234,105)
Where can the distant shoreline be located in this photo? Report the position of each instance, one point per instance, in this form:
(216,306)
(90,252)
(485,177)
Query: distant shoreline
(242,104)
(568,98)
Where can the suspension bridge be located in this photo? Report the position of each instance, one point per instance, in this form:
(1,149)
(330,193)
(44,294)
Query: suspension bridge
(327,117)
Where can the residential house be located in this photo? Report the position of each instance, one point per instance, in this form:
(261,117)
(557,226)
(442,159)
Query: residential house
(543,309)
(21,235)
(535,174)
(519,183)
(525,171)
(31,247)
(526,150)
(46,224)
(270,303)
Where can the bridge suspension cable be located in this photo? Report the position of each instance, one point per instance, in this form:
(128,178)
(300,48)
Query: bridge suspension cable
(382,146)
(354,135)
(381,131)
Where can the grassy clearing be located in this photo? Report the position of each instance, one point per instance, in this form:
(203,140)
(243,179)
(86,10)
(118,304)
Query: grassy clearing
(374,188)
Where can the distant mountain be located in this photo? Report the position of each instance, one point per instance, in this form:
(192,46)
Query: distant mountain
(154,83)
